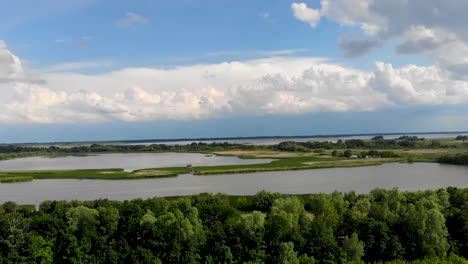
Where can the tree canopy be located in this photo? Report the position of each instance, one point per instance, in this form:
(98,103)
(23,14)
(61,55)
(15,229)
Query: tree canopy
(384,226)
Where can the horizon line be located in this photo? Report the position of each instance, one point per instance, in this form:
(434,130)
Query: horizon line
(202,139)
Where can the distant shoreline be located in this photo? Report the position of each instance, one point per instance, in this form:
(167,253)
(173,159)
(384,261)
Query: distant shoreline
(167,140)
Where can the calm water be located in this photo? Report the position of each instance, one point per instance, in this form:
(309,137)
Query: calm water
(255,141)
(418,176)
(127,161)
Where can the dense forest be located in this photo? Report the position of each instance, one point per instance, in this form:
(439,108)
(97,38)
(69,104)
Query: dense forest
(383,226)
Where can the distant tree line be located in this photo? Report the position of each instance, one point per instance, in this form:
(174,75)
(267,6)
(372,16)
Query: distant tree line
(95,148)
(382,226)
(366,154)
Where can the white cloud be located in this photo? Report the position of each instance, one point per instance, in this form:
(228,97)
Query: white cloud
(419,85)
(276,85)
(432,27)
(306,14)
(420,39)
(10,65)
(131,19)
(80,65)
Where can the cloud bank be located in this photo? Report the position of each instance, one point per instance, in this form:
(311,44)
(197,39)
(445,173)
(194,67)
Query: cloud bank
(275,85)
(431,27)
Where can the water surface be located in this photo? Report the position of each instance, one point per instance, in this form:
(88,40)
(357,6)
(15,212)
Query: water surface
(127,161)
(409,177)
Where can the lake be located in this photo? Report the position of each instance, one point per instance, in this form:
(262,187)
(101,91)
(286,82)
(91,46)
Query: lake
(250,141)
(127,161)
(408,177)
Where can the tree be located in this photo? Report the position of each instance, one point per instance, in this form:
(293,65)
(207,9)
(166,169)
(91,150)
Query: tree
(284,222)
(175,235)
(42,250)
(263,200)
(287,254)
(353,247)
(425,232)
(9,207)
(82,224)
(348,153)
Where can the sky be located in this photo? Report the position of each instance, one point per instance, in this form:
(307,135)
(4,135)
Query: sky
(82,70)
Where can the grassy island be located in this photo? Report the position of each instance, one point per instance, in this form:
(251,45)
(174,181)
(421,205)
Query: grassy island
(288,155)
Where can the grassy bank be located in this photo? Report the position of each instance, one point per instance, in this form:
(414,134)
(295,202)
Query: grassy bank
(291,164)
(103,174)
(283,164)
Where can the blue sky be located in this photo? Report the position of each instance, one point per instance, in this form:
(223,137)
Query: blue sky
(173,33)
(183,68)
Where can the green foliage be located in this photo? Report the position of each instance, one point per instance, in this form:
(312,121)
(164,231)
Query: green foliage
(353,248)
(347,153)
(385,226)
(9,207)
(11,151)
(457,159)
(375,143)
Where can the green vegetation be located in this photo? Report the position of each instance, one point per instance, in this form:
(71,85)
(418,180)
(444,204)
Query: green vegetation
(11,151)
(404,142)
(300,163)
(384,226)
(457,159)
(104,174)
(293,163)
(288,155)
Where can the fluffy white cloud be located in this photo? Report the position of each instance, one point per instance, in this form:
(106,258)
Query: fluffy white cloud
(277,85)
(10,65)
(306,14)
(419,85)
(431,27)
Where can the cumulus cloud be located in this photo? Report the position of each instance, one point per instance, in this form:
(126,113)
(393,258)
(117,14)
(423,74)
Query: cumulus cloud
(419,85)
(430,27)
(276,85)
(420,39)
(10,66)
(355,47)
(131,19)
(306,14)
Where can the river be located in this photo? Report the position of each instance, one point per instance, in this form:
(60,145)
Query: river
(408,177)
(126,161)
